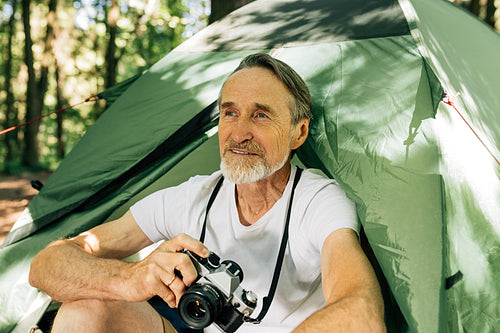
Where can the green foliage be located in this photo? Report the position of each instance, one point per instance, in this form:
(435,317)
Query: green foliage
(146,31)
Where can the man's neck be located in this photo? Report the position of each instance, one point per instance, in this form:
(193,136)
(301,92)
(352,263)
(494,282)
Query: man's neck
(254,200)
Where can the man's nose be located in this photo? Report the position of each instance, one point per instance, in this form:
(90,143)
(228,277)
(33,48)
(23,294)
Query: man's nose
(242,131)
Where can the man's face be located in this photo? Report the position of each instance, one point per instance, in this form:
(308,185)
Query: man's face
(255,131)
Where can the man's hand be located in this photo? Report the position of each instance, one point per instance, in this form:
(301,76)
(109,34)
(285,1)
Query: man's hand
(165,272)
(88,266)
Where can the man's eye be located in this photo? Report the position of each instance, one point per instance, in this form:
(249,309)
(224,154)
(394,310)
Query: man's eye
(229,113)
(261,115)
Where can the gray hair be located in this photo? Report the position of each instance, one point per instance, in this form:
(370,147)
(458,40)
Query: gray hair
(289,77)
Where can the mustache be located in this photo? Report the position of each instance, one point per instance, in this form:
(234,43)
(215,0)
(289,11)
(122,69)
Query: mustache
(250,146)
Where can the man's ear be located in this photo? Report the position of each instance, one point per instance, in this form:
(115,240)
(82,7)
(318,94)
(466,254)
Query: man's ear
(301,132)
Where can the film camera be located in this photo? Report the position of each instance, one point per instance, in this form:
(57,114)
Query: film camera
(216,297)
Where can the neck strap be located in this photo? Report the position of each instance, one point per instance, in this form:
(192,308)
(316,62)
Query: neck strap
(210,202)
(281,254)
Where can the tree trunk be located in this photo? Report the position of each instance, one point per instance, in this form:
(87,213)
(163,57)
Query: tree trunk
(60,116)
(221,8)
(33,104)
(47,51)
(490,13)
(111,60)
(475,7)
(36,89)
(10,111)
(60,77)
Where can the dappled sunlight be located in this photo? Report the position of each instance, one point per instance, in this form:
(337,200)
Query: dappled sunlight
(468,253)
(365,95)
(378,15)
(460,59)
(472,194)
(460,54)
(91,243)
(143,253)
(468,162)
(192,70)
(23,220)
(282,23)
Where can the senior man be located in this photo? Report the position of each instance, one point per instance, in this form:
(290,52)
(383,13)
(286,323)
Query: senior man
(325,283)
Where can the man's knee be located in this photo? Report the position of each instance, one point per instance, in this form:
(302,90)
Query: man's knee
(107,316)
(82,315)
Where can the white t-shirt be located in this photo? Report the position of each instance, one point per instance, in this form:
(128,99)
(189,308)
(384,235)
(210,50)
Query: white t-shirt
(319,207)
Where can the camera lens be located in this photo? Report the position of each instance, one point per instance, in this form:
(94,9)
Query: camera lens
(200,305)
(196,309)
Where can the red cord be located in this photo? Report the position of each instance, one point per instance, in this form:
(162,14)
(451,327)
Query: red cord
(449,101)
(90,99)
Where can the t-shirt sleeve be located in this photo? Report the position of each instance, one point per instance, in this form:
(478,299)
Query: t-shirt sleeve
(329,210)
(154,212)
(174,210)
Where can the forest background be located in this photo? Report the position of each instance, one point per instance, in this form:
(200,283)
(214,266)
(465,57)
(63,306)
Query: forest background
(58,53)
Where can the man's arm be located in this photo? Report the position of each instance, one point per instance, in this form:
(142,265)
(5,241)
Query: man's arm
(88,266)
(353,298)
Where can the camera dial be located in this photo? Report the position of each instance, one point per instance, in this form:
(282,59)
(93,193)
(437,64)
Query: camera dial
(249,298)
(213,261)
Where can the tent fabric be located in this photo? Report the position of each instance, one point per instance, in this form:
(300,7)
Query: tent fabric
(425,189)
(365,139)
(284,23)
(459,49)
(111,94)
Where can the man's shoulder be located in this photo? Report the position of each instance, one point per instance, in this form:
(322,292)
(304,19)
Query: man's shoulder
(316,184)
(196,186)
(204,180)
(201,185)
(316,177)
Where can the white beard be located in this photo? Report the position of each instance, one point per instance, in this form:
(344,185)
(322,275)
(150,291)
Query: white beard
(239,171)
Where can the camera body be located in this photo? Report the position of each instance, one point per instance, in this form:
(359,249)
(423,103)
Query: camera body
(216,296)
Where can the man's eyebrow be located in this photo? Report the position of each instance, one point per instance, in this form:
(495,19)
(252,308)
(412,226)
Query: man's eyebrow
(260,106)
(227,104)
(265,107)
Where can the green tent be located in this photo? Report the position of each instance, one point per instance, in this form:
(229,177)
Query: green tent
(425,178)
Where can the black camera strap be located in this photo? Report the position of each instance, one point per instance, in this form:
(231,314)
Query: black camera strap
(209,204)
(281,254)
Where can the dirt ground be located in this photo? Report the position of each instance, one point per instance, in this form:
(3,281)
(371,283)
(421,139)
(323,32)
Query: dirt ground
(15,194)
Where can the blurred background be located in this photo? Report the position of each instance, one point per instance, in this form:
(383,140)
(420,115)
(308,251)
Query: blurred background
(59,53)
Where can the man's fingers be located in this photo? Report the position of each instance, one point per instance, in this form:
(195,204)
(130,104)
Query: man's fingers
(166,280)
(173,289)
(169,297)
(166,263)
(181,261)
(166,260)
(183,264)
(178,288)
(183,241)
